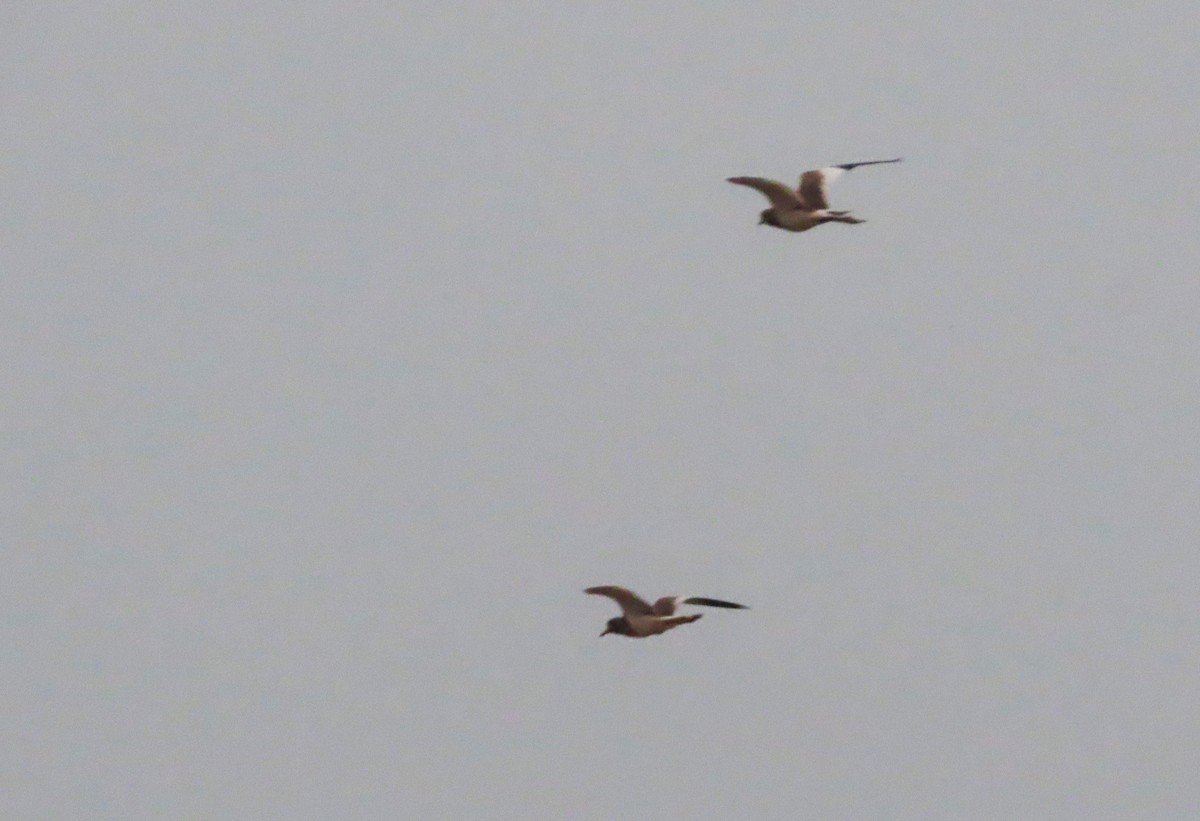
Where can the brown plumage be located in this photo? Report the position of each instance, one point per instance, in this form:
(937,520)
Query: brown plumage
(641,619)
(806,206)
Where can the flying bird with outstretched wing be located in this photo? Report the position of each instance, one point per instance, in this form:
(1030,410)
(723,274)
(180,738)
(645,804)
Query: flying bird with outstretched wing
(807,205)
(640,618)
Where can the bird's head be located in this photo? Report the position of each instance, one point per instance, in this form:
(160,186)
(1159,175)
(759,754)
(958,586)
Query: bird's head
(616,625)
(767,217)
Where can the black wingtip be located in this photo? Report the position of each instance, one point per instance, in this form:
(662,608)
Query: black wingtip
(851,165)
(715,603)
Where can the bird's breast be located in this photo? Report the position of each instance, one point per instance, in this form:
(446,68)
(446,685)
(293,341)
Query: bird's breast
(645,625)
(797,220)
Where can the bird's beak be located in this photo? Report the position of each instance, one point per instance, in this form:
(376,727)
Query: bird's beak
(605,633)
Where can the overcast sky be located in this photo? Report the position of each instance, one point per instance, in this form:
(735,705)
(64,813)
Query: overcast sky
(345,343)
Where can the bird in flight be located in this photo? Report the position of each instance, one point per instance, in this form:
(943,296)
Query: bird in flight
(640,618)
(805,206)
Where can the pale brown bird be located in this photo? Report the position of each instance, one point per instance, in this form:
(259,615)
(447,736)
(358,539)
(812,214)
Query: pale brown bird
(805,206)
(643,619)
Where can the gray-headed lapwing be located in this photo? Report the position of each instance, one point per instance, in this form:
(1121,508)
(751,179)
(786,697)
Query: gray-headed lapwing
(805,206)
(641,619)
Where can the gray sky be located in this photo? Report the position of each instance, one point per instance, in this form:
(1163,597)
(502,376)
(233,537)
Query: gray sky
(345,344)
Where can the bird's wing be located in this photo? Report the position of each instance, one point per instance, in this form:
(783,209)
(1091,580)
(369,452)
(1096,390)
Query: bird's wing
(667,604)
(813,183)
(714,603)
(812,187)
(779,194)
(631,603)
(675,621)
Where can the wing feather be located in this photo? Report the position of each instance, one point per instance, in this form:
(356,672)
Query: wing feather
(713,603)
(631,603)
(813,183)
(666,605)
(812,187)
(779,194)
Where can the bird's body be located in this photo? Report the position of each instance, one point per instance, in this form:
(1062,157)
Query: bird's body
(796,219)
(640,618)
(639,627)
(806,206)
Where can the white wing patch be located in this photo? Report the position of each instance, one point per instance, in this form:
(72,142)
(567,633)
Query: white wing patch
(831,174)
